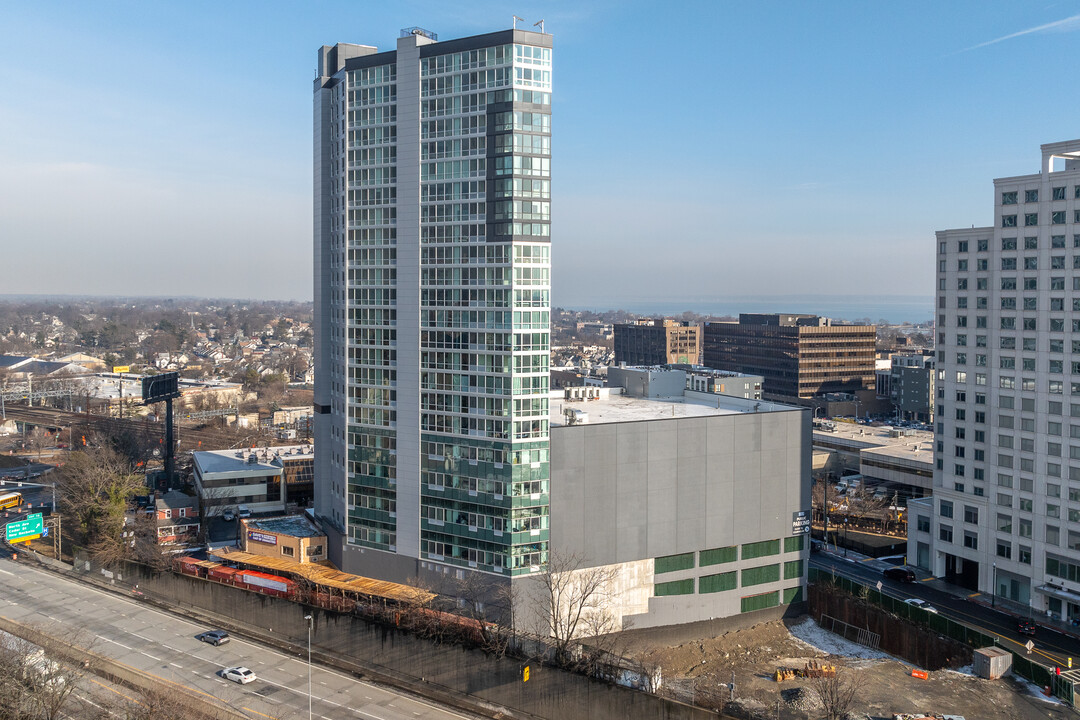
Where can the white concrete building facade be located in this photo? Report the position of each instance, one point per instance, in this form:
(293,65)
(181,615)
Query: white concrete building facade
(1006,506)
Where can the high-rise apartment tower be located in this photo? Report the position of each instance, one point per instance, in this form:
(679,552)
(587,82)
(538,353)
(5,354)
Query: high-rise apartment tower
(432,303)
(1006,505)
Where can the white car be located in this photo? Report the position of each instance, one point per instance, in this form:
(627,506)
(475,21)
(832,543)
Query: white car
(916,602)
(239,675)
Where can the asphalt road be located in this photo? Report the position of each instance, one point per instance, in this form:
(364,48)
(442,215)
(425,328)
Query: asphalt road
(164,645)
(1051,646)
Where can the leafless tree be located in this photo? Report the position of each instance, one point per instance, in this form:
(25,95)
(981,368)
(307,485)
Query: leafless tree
(38,679)
(837,693)
(572,602)
(490,603)
(38,438)
(160,704)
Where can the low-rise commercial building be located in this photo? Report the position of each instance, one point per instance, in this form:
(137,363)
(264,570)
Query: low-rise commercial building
(227,478)
(293,537)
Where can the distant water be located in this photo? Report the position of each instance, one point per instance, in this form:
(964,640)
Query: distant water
(893,309)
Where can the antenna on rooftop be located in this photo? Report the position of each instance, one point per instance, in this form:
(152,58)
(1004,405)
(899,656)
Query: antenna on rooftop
(540,24)
(517,20)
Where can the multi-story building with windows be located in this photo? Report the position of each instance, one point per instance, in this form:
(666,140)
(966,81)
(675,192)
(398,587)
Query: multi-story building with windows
(432,283)
(1006,506)
(800,356)
(658,341)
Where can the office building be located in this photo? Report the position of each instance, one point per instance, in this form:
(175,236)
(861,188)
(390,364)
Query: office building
(657,341)
(800,356)
(432,303)
(1006,506)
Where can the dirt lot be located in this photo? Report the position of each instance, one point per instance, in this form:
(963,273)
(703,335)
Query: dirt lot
(885,683)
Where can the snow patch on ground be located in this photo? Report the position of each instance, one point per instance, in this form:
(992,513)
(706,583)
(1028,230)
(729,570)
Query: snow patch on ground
(967,670)
(1036,691)
(811,634)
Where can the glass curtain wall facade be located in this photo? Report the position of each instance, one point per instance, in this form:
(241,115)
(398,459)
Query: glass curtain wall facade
(447,196)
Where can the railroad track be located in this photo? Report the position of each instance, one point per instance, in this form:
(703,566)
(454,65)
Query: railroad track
(189,436)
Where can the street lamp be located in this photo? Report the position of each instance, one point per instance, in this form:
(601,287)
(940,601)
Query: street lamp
(310,622)
(993,590)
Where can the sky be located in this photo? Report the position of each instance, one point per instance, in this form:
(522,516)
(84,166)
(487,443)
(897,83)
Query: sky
(700,150)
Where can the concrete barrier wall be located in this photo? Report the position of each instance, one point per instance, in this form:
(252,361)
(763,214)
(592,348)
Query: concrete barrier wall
(451,674)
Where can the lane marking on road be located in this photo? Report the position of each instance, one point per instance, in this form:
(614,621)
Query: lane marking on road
(109,597)
(258,713)
(974,595)
(6,572)
(114,642)
(177,665)
(928,579)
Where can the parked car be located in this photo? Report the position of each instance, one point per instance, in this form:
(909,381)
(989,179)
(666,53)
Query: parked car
(902,574)
(242,511)
(228,515)
(1024,626)
(239,675)
(916,602)
(215,637)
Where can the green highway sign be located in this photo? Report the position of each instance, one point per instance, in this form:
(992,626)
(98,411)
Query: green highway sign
(27,529)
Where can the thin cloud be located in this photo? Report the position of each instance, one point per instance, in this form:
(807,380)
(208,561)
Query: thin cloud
(1069,23)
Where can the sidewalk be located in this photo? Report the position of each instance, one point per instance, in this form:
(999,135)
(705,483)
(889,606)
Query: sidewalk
(1002,605)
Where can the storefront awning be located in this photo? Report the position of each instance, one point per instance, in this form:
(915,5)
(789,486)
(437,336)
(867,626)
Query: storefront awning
(1059,592)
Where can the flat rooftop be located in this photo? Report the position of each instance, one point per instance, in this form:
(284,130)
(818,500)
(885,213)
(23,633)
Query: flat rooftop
(621,408)
(916,445)
(233,461)
(291,525)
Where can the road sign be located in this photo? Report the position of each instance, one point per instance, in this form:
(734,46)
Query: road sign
(27,529)
(800,522)
(879,586)
(121,368)
(525,674)
(1030,646)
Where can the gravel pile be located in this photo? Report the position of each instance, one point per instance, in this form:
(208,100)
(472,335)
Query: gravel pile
(801,698)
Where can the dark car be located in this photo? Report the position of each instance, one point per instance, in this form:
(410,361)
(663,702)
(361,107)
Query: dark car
(217,637)
(1025,626)
(902,574)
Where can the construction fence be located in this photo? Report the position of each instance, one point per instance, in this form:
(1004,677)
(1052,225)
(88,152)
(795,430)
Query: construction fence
(913,646)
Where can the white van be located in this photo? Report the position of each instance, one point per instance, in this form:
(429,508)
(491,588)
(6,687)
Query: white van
(242,511)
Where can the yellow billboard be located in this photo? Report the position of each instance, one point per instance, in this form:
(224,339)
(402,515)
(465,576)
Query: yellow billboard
(121,368)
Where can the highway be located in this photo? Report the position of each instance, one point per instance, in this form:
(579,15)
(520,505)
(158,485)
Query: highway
(1051,647)
(164,645)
